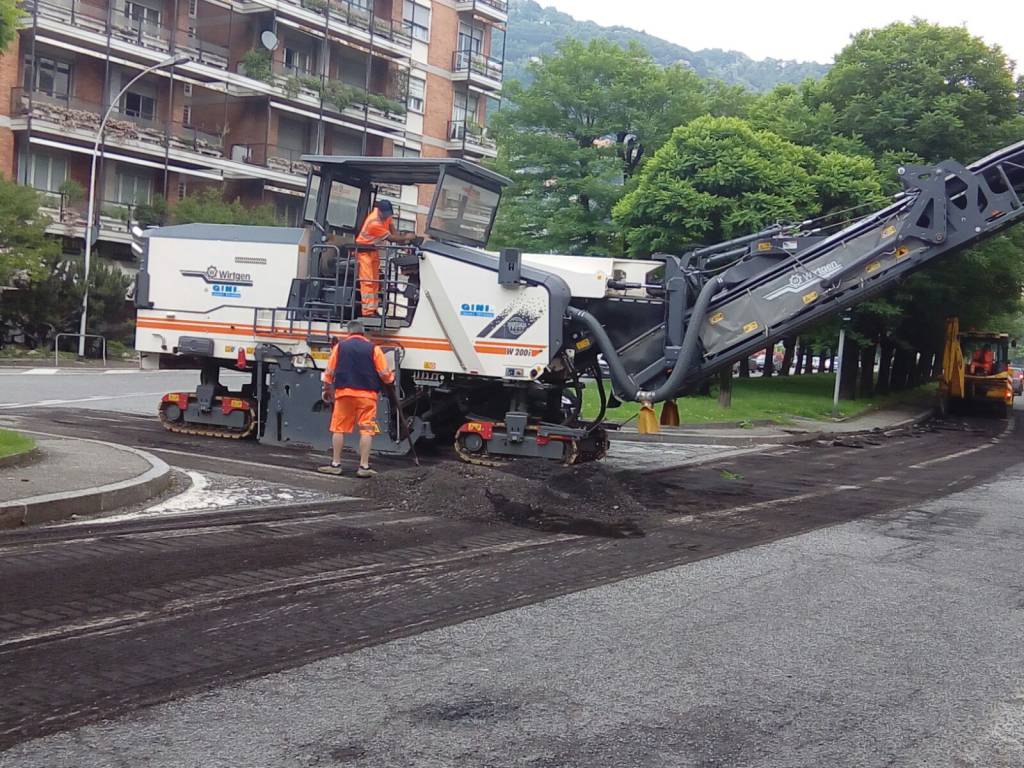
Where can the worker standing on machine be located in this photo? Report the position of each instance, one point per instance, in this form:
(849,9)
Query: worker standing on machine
(354,375)
(378,228)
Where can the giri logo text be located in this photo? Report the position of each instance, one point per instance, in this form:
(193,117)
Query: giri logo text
(224,283)
(476,310)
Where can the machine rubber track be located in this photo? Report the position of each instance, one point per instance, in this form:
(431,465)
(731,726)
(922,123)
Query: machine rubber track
(182,427)
(596,449)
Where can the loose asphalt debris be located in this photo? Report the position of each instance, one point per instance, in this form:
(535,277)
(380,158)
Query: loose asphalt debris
(585,500)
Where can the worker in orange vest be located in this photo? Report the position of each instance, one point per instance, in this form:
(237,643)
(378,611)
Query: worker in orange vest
(356,372)
(378,228)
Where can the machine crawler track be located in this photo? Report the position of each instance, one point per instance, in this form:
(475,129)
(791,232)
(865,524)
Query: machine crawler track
(174,409)
(579,451)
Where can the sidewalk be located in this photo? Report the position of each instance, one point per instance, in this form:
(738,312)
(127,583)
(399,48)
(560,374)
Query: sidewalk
(77,477)
(799,431)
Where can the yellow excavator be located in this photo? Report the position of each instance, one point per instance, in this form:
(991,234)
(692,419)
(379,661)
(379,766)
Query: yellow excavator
(975,371)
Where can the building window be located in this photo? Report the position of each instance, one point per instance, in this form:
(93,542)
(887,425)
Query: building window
(401,151)
(182,190)
(138,105)
(299,62)
(471,37)
(417,20)
(142,13)
(187,88)
(193,8)
(134,187)
(465,108)
(47,172)
(186,115)
(417,94)
(52,77)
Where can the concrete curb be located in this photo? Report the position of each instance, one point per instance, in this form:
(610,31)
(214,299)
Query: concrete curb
(707,436)
(50,507)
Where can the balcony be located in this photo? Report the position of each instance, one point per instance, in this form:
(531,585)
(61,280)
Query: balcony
(276,158)
(115,219)
(470,138)
(343,99)
(352,19)
(474,67)
(75,118)
(121,26)
(492,10)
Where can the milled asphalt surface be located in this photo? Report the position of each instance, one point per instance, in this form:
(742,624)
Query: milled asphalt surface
(884,642)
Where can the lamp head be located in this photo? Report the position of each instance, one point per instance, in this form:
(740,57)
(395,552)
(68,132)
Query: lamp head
(173,61)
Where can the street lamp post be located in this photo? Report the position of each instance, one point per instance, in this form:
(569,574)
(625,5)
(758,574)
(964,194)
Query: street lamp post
(165,64)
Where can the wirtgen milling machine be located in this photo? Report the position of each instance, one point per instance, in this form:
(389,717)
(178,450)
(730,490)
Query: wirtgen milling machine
(491,348)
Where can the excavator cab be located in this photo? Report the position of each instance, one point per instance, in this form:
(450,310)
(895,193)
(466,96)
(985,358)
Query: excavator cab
(976,370)
(341,192)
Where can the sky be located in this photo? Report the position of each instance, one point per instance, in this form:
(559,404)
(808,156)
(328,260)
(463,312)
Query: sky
(796,29)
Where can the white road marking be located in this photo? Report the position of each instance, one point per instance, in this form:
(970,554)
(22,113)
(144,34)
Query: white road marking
(680,519)
(94,398)
(41,371)
(957,455)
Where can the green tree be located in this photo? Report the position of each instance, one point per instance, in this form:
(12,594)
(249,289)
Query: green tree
(935,91)
(9,15)
(719,178)
(209,207)
(565,184)
(24,246)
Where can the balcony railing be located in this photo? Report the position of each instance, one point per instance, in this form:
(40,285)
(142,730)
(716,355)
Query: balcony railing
(476,63)
(70,115)
(500,6)
(357,17)
(337,96)
(113,216)
(276,158)
(119,24)
(471,135)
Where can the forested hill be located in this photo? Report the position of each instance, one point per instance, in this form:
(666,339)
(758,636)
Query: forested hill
(534,31)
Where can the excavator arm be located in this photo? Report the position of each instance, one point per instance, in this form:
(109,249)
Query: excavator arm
(782,282)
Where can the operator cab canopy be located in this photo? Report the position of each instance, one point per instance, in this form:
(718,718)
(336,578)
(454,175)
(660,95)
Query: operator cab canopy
(341,191)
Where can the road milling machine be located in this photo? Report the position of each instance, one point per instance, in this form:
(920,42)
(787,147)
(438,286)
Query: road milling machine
(492,348)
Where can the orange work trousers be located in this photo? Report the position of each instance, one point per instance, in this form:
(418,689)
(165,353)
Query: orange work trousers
(368,263)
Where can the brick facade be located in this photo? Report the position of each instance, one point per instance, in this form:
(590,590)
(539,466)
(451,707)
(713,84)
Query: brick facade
(9,70)
(191,129)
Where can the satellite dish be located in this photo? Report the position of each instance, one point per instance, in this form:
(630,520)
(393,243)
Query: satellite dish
(269,40)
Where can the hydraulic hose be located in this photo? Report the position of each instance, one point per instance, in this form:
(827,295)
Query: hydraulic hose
(623,383)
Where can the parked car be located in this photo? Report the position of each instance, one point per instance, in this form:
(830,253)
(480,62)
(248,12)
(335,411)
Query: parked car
(1017,379)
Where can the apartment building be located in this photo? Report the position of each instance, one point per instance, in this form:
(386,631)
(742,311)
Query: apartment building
(372,77)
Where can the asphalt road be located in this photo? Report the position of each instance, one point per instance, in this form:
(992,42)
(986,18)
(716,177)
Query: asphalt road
(124,390)
(753,625)
(889,641)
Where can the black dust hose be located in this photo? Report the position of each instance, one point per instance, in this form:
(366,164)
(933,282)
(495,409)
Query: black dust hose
(622,382)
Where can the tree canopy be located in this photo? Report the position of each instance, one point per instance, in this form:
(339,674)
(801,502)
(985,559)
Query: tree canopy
(935,91)
(9,14)
(718,178)
(24,245)
(565,185)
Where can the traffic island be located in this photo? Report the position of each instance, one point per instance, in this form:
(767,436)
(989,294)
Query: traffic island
(73,477)
(16,449)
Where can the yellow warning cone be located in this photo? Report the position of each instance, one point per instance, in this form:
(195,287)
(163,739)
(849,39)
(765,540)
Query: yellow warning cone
(647,422)
(669,414)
